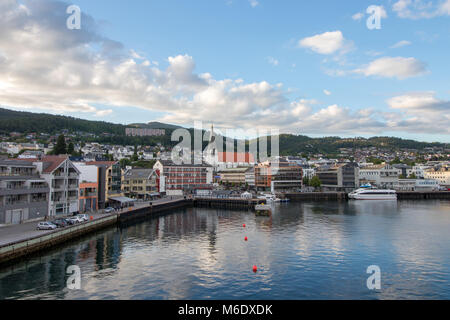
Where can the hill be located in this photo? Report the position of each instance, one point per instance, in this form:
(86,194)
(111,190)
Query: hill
(27,122)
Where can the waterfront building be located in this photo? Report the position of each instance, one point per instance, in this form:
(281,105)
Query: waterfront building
(402,169)
(140,184)
(383,176)
(339,177)
(109,181)
(442,175)
(23,194)
(88,195)
(62,177)
(176,179)
(278,176)
(418,185)
(418,171)
(234,176)
(250,177)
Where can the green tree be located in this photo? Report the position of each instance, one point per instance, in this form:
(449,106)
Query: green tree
(412,176)
(125,162)
(71,149)
(315,182)
(306,181)
(60,147)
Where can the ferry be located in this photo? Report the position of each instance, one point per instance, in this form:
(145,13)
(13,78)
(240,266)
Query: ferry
(367,192)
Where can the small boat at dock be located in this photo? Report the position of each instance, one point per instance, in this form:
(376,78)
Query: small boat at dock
(264,210)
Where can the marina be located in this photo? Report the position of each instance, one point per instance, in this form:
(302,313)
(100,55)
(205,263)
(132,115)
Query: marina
(307,250)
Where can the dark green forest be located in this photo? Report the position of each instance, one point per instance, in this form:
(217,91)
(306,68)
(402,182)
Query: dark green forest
(110,133)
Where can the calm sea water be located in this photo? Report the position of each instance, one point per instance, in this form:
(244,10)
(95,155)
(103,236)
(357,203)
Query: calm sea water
(315,250)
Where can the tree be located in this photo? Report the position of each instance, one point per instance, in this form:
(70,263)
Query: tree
(135,155)
(402,176)
(315,182)
(60,147)
(124,162)
(306,181)
(71,148)
(412,176)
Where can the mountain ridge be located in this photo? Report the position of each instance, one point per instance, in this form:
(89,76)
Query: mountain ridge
(27,122)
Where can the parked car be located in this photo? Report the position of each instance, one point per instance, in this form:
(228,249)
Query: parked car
(46,226)
(109,210)
(75,220)
(60,223)
(69,221)
(85,217)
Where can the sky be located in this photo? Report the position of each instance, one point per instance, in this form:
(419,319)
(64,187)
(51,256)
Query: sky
(316,68)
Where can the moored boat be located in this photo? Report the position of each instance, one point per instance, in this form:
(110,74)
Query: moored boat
(370,193)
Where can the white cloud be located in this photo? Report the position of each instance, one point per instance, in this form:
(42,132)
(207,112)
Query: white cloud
(326,43)
(358,16)
(400,44)
(421,9)
(253,3)
(273,61)
(422,111)
(381,9)
(393,67)
(444,8)
(44,66)
(328,93)
(419,101)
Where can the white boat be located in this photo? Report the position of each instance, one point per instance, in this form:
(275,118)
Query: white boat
(371,193)
(270,198)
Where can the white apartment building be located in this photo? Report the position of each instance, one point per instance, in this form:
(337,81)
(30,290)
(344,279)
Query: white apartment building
(418,171)
(382,176)
(309,173)
(63,179)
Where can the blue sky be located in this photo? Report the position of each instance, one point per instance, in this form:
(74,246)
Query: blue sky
(265,65)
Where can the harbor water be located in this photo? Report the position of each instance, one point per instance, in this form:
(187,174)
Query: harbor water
(308,250)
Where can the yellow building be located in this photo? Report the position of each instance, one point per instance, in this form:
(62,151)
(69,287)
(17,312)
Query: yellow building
(442,175)
(140,184)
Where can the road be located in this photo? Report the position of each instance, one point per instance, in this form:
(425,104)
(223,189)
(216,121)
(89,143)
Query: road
(27,230)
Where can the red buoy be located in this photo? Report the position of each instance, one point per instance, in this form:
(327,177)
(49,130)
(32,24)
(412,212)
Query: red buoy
(245,238)
(255,269)
(243,225)
(92,218)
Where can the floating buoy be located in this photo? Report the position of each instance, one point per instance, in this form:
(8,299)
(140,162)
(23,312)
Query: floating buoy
(92,218)
(255,269)
(245,238)
(243,225)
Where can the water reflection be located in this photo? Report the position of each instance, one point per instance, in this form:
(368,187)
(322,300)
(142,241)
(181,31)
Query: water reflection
(305,250)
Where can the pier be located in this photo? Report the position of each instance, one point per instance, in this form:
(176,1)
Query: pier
(438,195)
(316,196)
(233,204)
